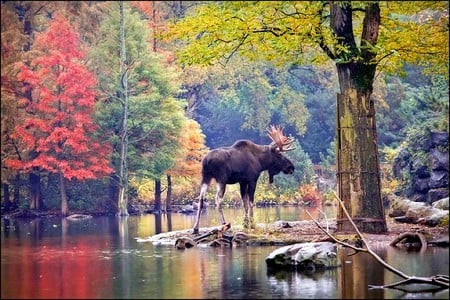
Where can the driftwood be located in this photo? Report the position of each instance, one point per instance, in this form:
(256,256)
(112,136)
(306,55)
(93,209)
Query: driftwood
(411,237)
(77,217)
(438,281)
(220,240)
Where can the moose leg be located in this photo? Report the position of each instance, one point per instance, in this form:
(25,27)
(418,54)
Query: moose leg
(244,196)
(219,198)
(251,198)
(203,190)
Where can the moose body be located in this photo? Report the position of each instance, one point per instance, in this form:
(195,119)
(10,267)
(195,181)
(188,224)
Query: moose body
(240,163)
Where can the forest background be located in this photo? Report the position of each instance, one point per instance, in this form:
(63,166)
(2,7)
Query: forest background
(73,142)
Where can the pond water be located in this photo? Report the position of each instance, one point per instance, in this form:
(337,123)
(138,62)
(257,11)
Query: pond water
(100,258)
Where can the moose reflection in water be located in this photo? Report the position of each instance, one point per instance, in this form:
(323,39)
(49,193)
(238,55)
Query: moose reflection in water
(243,163)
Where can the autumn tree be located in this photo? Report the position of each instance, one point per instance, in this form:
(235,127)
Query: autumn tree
(12,41)
(58,133)
(19,20)
(187,163)
(151,115)
(361,38)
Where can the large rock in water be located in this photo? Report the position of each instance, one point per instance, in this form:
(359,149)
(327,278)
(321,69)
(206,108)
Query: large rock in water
(304,257)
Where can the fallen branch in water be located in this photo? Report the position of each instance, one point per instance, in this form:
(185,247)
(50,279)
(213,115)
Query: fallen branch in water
(189,242)
(439,281)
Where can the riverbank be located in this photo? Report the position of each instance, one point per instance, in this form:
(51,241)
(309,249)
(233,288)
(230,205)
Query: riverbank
(285,233)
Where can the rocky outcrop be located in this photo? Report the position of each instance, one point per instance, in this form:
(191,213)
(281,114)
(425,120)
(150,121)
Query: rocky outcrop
(425,169)
(404,210)
(304,257)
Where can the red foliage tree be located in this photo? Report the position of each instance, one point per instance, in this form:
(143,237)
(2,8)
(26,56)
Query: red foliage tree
(58,133)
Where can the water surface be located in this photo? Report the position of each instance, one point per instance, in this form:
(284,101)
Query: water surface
(100,258)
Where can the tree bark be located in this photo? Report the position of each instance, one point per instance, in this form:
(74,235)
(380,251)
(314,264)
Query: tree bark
(123,177)
(62,189)
(35,190)
(6,197)
(16,193)
(169,194)
(358,173)
(157,208)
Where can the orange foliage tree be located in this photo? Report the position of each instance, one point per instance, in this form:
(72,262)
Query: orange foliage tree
(58,133)
(187,164)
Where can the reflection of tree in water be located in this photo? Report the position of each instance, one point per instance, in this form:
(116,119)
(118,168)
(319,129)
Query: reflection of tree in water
(158,225)
(124,256)
(357,272)
(159,221)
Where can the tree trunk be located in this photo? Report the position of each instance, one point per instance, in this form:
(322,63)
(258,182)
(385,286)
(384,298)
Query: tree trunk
(62,189)
(16,188)
(157,208)
(169,194)
(22,11)
(6,197)
(123,186)
(114,182)
(35,190)
(358,173)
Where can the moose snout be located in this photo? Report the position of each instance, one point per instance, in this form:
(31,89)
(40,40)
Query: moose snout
(289,170)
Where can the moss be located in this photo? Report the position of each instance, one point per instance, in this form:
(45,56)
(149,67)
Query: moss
(444,222)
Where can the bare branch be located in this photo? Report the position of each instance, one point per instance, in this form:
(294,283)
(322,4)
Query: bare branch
(333,238)
(440,281)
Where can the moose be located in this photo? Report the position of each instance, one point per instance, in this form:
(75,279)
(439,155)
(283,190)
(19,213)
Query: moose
(242,163)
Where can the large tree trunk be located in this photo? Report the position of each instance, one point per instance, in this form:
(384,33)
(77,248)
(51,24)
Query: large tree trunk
(62,190)
(358,173)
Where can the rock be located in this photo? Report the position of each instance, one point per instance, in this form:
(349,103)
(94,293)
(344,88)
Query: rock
(282,224)
(436,195)
(401,163)
(421,185)
(438,179)
(441,204)
(399,206)
(77,217)
(187,209)
(420,169)
(439,160)
(185,242)
(424,167)
(404,210)
(419,197)
(439,138)
(304,257)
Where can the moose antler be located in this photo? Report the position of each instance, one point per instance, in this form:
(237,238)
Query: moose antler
(284,143)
